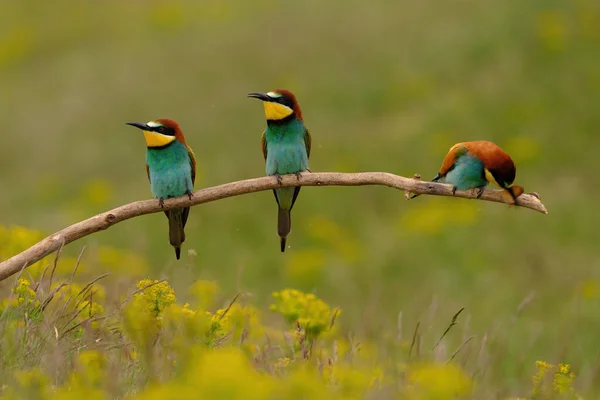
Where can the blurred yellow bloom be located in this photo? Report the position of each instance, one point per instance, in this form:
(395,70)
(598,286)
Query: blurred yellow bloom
(15,239)
(204,292)
(553,379)
(167,15)
(304,382)
(352,381)
(438,381)
(312,313)
(17,43)
(552,30)
(34,383)
(589,289)
(216,374)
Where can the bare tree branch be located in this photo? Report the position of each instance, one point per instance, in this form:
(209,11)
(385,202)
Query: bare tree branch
(107,219)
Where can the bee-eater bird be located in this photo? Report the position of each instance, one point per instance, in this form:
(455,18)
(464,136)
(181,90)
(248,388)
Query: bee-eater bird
(472,165)
(171,169)
(286,145)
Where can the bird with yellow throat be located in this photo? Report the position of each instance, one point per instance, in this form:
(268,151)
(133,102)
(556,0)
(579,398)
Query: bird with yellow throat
(286,145)
(171,169)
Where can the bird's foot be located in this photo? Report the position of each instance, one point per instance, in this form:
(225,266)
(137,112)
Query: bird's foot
(480,191)
(161,202)
(454,188)
(279,180)
(298,175)
(189,194)
(308,170)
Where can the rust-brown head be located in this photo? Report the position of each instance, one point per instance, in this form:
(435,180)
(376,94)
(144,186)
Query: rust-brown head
(160,132)
(280,105)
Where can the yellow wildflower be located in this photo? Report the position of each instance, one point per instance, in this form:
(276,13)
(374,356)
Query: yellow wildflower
(25,295)
(311,313)
(156,297)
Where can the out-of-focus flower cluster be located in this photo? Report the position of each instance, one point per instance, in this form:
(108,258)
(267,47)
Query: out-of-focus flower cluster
(312,314)
(64,339)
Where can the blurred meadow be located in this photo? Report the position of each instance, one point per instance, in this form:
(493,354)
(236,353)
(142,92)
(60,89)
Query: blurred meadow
(384,86)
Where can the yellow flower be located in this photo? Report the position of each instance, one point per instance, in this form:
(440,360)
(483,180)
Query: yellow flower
(551,379)
(215,374)
(25,295)
(311,313)
(156,297)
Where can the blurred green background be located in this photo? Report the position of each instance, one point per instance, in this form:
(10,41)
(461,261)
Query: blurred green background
(384,86)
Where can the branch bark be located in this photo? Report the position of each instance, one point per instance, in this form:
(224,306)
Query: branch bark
(107,219)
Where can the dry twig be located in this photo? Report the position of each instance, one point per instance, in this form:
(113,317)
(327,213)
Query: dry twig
(107,219)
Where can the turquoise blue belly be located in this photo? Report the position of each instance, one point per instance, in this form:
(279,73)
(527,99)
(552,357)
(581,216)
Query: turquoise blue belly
(170,171)
(468,173)
(286,158)
(286,154)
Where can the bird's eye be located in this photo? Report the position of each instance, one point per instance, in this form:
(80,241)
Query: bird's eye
(161,129)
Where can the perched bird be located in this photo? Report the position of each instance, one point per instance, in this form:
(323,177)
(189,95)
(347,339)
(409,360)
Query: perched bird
(171,169)
(286,147)
(472,165)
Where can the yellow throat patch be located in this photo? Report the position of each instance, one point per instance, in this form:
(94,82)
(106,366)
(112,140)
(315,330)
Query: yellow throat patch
(154,139)
(276,111)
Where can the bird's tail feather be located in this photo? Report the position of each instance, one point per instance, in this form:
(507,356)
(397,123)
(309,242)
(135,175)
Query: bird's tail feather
(176,232)
(284,225)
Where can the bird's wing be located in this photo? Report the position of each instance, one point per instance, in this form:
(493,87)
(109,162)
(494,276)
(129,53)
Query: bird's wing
(263,143)
(192,163)
(307,142)
(186,210)
(456,152)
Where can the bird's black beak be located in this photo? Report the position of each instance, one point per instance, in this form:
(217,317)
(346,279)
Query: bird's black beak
(260,96)
(139,125)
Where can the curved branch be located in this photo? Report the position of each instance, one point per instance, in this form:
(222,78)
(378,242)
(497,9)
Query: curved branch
(107,219)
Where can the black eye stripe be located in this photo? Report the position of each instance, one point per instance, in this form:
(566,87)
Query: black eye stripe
(286,101)
(164,130)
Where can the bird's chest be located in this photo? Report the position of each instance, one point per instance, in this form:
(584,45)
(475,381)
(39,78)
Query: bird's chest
(468,173)
(170,172)
(286,154)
